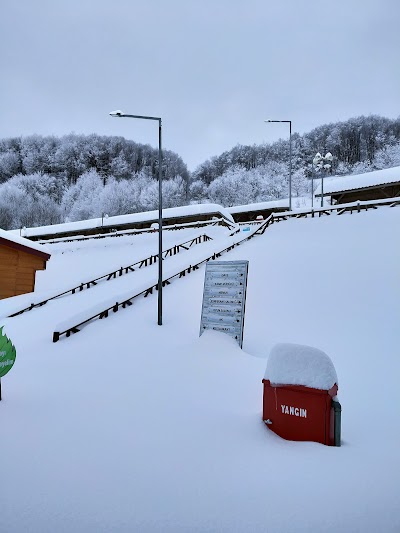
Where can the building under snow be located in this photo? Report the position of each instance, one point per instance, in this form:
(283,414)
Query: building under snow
(374,185)
(174,216)
(249,212)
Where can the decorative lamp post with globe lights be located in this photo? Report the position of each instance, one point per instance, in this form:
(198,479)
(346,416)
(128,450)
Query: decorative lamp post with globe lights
(322,164)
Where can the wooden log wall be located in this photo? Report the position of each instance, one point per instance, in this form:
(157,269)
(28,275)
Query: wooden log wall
(17,271)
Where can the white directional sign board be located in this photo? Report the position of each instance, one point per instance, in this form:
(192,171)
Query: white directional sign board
(224,298)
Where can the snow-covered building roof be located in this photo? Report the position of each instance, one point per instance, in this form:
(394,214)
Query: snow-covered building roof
(249,212)
(366,180)
(148,217)
(259,206)
(12,240)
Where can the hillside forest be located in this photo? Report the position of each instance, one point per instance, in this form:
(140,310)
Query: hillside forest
(47,180)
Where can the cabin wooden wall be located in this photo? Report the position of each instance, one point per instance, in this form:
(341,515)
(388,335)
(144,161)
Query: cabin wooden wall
(376,193)
(17,271)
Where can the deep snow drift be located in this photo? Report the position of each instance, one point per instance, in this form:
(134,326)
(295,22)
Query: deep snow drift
(128,426)
(295,364)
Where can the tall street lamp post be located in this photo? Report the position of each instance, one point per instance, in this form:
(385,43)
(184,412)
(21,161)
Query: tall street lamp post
(290,157)
(323,163)
(124,115)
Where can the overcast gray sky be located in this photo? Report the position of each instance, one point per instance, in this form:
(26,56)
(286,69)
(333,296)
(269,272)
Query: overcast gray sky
(212,69)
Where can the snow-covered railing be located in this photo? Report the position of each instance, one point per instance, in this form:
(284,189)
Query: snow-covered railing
(70,328)
(261,229)
(251,223)
(357,206)
(119,272)
(320,211)
(73,326)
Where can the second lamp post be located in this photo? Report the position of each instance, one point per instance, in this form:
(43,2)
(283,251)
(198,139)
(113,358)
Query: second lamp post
(322,163)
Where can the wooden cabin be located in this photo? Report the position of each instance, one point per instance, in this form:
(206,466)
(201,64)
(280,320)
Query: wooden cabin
(19,261)
(375,185)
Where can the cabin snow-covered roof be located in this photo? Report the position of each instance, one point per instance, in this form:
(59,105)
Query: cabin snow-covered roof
(359,181)
(8,238)
(260,206)
(111,222)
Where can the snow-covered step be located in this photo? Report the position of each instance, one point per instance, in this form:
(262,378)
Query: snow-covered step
(116,273)
(122,300)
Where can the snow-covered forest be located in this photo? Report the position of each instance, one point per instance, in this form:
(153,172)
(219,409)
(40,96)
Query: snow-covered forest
(255,173)
(46,180)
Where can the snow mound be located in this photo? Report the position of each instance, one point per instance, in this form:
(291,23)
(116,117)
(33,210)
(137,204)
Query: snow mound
(295,364)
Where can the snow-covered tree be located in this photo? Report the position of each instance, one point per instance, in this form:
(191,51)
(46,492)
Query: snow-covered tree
(118,197)
(173,194)
(27,208)
(389,156)
(10,165)
(39,184)
(79,202)
(197,191)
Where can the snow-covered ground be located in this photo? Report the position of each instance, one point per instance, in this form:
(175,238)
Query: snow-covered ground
(129,426)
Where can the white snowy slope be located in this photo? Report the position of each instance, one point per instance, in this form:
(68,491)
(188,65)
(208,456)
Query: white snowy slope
(80,262)
(129,426)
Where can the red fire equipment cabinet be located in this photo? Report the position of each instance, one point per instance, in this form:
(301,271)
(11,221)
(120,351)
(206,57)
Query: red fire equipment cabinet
(298,412)
(295,412)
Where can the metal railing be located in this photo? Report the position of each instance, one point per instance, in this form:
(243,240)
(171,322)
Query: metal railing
(119,272)
(340,209)
(126,302)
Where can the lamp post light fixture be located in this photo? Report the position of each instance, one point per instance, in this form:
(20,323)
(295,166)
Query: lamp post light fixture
(121,114)
(290,157)
(322,164)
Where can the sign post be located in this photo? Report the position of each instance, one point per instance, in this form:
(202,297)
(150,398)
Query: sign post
(7,355)
(224,298)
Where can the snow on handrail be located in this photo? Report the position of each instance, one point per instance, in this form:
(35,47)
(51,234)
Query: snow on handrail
(72,326)
(67,329)
(319,211)
(341,207)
